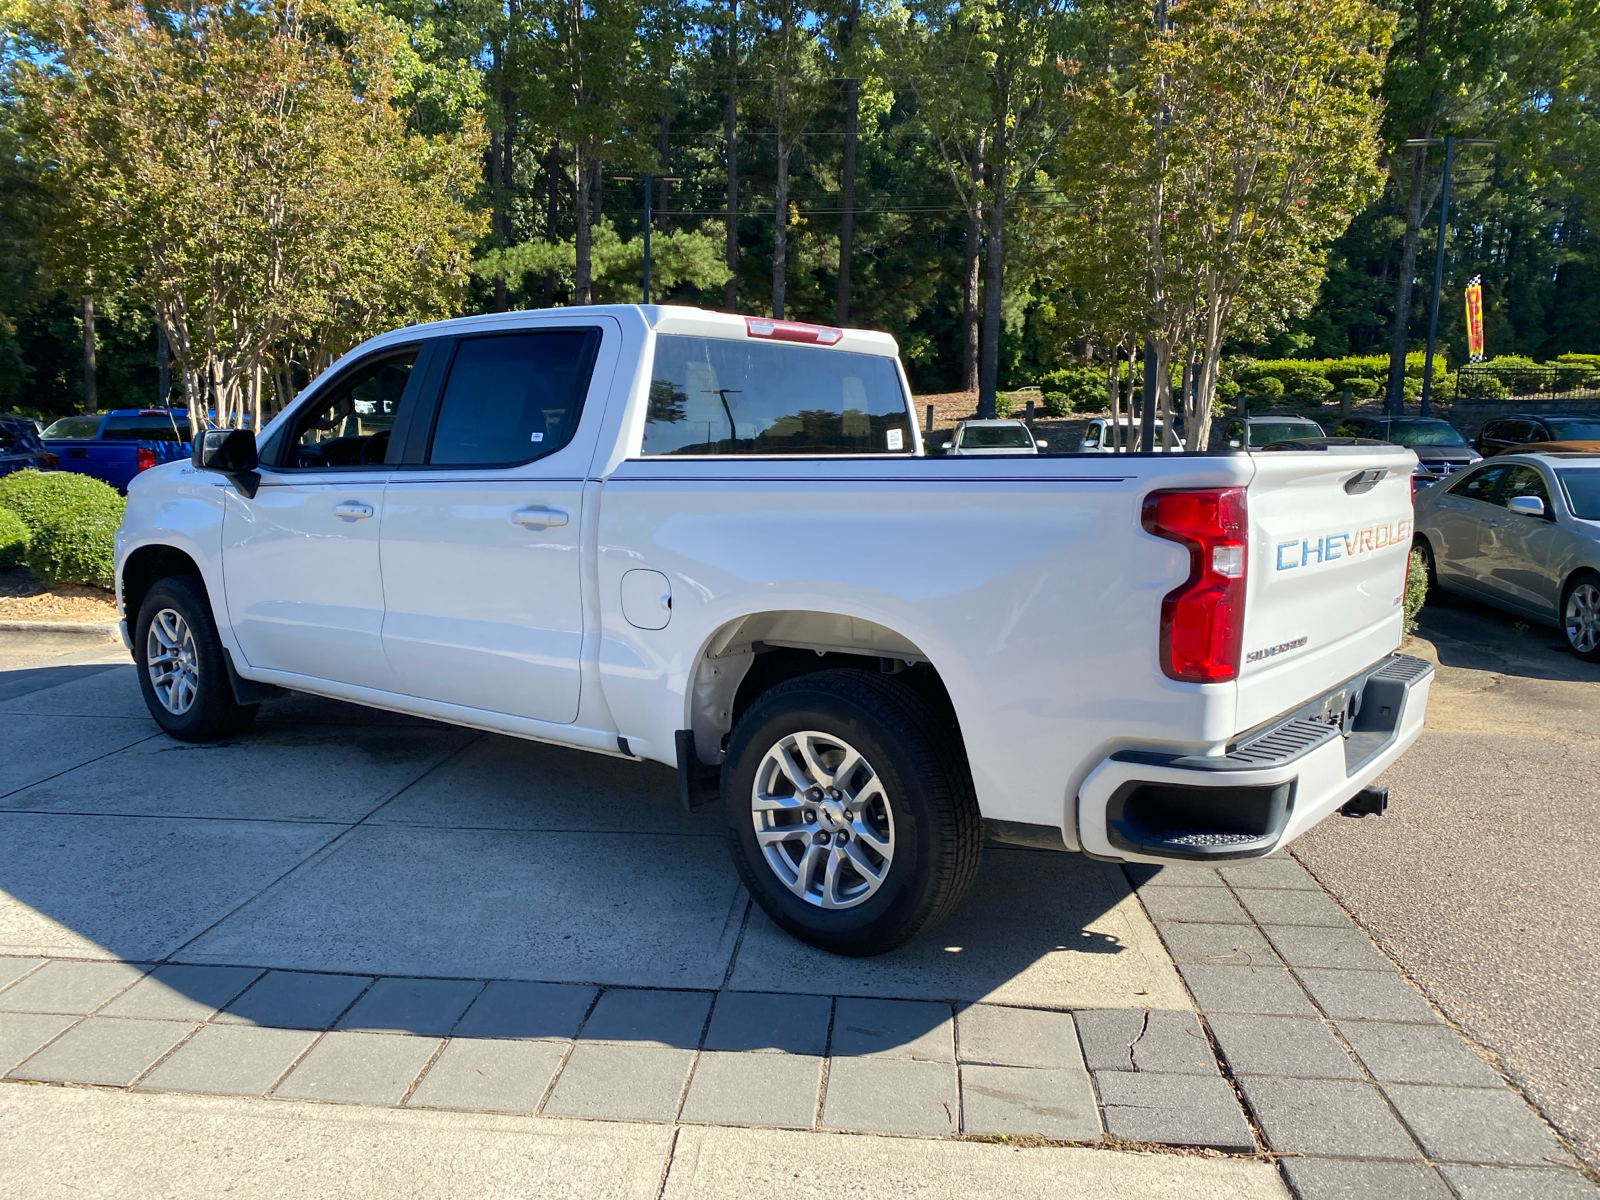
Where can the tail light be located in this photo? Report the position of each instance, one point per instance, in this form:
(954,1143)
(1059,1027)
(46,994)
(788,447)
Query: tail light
(145,458)
(1202,622)
(792,331)
(49,462)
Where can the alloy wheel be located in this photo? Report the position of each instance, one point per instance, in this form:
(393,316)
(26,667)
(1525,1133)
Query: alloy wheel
(1583,618)
(822,820)
(172,661)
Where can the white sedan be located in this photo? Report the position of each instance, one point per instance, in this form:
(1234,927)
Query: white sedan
(993,437)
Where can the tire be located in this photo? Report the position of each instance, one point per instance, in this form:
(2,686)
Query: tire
(181,669)
(911,839)
(1580,615)
(1437,597)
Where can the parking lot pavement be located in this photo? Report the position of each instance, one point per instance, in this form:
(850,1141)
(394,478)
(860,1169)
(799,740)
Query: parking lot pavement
(398,920)
(1480,881)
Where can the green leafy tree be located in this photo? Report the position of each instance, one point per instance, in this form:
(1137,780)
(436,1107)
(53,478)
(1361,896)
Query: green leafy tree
(242,170)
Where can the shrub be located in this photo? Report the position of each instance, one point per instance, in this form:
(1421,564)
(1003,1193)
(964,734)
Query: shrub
(1056,404)
(13,539)
(1083,388)
(1265,392)
(1416,590)
(72,524)
(1362,388)
(1002,405)
(1477,385)
(1308,389)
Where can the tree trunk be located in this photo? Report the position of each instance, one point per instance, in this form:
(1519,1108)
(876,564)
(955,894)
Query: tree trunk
(581,288)
(730,289)
(552,173)
(163,366)
(1394,393)
(665,155)
(970,273)
(994,258)
(780,226)
(847,219)
(498,221)
(91,395)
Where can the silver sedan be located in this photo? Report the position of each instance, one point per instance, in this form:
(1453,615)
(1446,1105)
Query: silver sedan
(1521,532)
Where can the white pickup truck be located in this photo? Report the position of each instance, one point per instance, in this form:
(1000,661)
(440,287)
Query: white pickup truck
(714,542)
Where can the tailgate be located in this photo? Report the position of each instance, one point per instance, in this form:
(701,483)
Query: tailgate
(1330,537)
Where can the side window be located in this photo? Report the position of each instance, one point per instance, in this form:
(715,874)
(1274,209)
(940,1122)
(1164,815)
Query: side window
(512,397)
(1482,485)
(1526,481)
(348,423)
(1492,431)
(1091,435)
(8,442)
(727,396)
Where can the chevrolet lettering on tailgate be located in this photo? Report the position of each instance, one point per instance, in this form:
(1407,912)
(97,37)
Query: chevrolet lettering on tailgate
(1343,545)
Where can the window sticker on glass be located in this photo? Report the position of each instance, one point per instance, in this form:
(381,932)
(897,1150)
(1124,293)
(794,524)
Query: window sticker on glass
(537,437)
(893,437)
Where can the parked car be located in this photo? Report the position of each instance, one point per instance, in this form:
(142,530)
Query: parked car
(1252,433)
(993,437)
(21,448)
(714,542)
(115,446)
(1500,434)
(1522,532)
(1097,435)
(1440,449)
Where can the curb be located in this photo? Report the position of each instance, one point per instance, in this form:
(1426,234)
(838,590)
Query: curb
(99,631)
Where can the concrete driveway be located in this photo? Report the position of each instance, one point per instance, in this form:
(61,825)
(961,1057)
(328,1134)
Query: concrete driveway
(354,937)
(1482,880)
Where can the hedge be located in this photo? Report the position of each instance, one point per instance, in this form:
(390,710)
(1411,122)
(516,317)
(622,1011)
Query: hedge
(71,521)
(13,539)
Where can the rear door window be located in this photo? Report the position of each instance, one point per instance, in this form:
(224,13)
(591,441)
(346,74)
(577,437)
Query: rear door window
(1526,481)
(724,396)
(76,428)
(1482,485)
(513,397)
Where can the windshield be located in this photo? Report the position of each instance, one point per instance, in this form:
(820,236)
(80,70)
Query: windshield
(142,428)
(73,427)
(1264,434)
(1582,487)
(1421,433)
(1573,431)
(996,437)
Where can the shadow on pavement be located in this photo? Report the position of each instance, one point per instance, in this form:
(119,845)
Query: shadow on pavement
(1477,637)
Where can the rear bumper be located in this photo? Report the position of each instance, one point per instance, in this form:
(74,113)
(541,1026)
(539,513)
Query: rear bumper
(1140,806)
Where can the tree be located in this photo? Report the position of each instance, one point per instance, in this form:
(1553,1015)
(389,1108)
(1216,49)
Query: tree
(240,169)
(1240,143)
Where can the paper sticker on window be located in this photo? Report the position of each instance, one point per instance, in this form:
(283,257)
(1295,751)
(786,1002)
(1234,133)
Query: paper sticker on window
(895,443)
(538,437)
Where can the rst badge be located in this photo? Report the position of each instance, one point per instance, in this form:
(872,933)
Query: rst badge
(1347,544)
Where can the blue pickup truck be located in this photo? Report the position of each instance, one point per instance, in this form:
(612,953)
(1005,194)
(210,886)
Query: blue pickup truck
(115,446)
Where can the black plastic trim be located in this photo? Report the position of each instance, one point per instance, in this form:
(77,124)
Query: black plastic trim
(1192,821)
(699,784)
(248,691)
(1021,833)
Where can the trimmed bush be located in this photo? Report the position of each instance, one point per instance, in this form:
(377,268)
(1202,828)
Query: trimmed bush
(1362,388)
(1083,388)
(1056,404)
(1416,594)
(13,539)
(72,524)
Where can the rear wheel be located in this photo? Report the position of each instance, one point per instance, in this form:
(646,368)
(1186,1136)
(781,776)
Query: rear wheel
(1580,616)
(181,669)
(850,815)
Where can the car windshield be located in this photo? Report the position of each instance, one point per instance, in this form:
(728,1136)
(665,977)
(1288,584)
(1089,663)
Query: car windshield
(1422,433)
(142,428)
(1264,433)
(996,437)
(73,427)
(1582,487)
(1573,431)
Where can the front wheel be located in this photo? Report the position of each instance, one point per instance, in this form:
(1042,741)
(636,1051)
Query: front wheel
(850,812)
(1580,616)
(181,670)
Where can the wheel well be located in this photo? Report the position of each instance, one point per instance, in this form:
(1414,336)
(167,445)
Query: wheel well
(145,567)
(1567,585)
(754,654)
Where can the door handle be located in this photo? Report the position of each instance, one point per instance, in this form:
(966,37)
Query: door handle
(539,518)
(351,511)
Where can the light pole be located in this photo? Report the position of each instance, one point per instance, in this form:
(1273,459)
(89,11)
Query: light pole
(1450,144)
(648,179)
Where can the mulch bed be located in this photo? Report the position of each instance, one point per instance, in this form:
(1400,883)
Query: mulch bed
(25,597)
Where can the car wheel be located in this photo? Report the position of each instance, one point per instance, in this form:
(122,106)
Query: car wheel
(1436,596)
(850,811)
(1580,616)
(181,669)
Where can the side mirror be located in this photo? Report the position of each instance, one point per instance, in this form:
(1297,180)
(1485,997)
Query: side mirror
(1041,443)
(948,446)
(1528,506)
(230,452)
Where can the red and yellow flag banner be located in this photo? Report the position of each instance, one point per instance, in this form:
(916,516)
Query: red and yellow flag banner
(1475,319)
